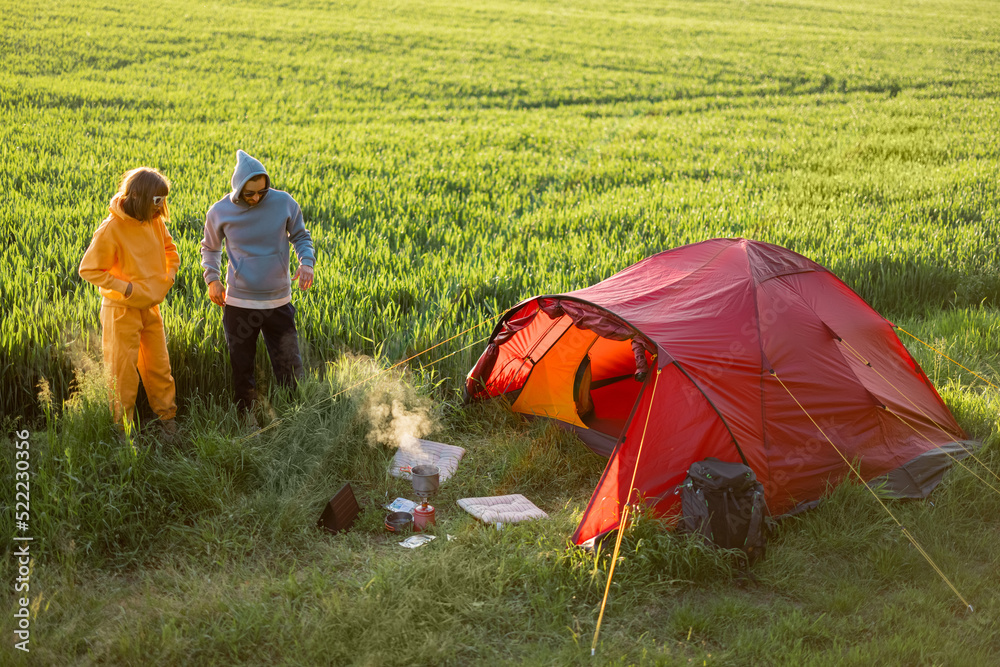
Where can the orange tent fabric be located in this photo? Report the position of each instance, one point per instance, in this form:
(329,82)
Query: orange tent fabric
(716,323)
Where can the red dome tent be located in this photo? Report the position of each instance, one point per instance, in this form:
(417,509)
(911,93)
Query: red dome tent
(694,340)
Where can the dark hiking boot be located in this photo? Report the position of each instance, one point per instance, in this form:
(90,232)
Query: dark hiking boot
(167,431)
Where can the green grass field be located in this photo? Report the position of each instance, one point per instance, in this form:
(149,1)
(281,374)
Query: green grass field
(453,158)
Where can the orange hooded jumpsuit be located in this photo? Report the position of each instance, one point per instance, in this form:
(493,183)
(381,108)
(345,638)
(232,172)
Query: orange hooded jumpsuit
(125,250)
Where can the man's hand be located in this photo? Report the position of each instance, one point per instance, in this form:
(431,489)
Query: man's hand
(217,293)
(304,275)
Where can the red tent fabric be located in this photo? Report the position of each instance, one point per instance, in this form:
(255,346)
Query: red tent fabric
(718,323)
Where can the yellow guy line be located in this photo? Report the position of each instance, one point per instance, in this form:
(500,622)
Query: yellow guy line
(928,418)
(905,532)
(947,357)
(452,354)
(400,363)
(624,517)
(278,422)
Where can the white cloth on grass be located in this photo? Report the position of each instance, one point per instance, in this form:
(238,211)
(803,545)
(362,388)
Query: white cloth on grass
(503,509)
(414,452)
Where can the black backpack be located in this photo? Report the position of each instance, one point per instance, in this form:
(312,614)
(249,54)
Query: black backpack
(724,503)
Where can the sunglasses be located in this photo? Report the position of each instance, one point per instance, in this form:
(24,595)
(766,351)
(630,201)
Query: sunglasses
(159,199)
(259,193)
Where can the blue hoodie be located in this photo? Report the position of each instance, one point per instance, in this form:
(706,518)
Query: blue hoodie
(256,240)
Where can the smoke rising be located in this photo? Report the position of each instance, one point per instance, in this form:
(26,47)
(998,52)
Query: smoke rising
(396,413)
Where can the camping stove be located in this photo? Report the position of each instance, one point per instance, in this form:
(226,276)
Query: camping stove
(425,479)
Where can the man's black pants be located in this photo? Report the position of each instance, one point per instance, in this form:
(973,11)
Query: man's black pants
(242,327)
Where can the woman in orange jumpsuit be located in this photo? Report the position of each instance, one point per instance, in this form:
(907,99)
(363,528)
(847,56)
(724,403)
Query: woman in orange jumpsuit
(133,261)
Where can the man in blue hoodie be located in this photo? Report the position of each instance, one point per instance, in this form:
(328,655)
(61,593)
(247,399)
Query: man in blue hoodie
(256,223)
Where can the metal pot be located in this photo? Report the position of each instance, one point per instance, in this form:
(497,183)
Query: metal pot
(398,522)
(425,479)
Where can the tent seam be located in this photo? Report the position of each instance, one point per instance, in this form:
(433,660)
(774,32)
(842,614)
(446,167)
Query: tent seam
(739,450)
(535,362)
(790,272)
(763,358)
(883,436)
(614,453)
(687,278)
(634,328)
(527,356)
